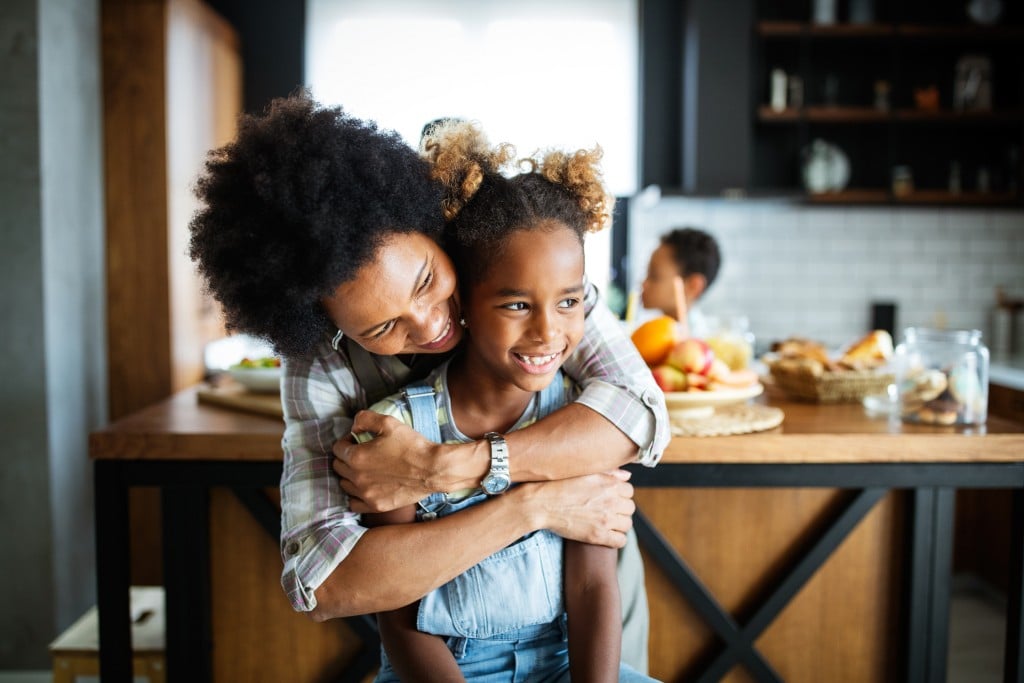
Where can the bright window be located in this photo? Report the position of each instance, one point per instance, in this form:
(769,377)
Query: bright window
(536,73)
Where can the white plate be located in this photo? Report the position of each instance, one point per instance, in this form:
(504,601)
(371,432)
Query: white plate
(690,404)
(257,379)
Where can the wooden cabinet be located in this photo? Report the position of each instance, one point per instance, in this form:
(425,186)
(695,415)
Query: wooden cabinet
(885,91)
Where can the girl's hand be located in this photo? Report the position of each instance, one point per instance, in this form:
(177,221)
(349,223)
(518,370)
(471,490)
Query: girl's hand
(596,508)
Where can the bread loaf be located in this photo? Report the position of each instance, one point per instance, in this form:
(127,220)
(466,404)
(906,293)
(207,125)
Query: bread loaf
(869,351)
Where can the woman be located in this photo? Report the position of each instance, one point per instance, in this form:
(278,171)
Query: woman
(319,233)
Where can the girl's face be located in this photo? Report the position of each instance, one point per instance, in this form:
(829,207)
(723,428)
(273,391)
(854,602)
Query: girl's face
(402,302)
(526,316)
(658,290)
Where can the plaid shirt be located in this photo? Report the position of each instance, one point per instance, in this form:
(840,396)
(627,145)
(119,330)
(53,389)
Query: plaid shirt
(320,395)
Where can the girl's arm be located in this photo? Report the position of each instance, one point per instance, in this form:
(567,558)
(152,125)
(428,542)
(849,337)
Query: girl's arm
(620,417)
(592,603)
(414,655)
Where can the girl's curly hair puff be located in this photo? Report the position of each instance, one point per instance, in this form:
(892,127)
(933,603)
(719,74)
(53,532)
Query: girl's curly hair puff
(484,205)
(294,207)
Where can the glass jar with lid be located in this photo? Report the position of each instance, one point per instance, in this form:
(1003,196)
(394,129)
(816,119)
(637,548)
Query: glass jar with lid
(942,376)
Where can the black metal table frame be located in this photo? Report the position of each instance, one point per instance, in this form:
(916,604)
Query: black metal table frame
(933,489)
(184,492)
(185,486)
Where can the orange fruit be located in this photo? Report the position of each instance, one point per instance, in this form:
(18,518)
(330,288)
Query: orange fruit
(655,338)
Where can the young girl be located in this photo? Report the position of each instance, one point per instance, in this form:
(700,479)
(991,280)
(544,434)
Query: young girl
(517,244)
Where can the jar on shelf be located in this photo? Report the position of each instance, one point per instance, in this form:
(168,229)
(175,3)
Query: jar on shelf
(942,377)
(902,181)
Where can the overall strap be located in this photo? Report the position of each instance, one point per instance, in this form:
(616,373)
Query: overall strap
(552,396)
(420,396)
(367,372)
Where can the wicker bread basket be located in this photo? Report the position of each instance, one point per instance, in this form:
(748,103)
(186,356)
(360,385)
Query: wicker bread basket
(838,386)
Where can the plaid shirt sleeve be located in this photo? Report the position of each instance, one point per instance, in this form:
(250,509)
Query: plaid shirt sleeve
(318,530)
(617,383)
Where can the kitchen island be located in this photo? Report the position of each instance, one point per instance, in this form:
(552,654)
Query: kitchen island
(818,550)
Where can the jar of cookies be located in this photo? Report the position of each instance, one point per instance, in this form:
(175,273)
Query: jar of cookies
(942,376)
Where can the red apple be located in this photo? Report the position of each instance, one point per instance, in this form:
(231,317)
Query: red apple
(691,356)
(669,378)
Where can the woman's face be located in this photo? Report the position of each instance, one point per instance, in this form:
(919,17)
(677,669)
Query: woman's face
(526,316)
(402,302)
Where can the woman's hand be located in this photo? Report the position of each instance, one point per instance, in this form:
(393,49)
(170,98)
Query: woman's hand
(596,508)
(400,466)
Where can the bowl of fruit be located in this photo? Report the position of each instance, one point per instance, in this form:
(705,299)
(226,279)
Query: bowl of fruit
(695,382)
(258,374)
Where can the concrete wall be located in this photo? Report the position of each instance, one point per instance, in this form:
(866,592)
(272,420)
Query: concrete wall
(51,293)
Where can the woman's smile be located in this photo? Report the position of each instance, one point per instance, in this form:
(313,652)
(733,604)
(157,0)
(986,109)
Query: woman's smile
(442,340)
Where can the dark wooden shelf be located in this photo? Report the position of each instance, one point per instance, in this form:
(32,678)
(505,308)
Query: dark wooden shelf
(909,46)
(795,29)
(949,116)
(855,115)
(850,196)
(880,196)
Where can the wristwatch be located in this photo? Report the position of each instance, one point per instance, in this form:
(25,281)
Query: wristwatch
(497,480)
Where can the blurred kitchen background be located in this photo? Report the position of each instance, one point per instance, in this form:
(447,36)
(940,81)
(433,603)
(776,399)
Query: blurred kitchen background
(708,112)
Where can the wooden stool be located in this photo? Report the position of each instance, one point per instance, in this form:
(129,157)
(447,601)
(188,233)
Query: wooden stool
(76,651)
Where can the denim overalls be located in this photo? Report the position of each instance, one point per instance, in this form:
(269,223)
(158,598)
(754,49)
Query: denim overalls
(504,618)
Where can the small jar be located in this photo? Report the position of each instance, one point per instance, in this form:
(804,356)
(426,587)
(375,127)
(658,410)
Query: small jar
(942,377)
(902,181)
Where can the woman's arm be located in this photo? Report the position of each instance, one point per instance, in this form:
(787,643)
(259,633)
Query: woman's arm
(592,603)
(415,656)
(336,567)
(392,566)
(620,417)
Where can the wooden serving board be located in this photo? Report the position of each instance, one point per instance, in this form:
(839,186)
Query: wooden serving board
(235,396)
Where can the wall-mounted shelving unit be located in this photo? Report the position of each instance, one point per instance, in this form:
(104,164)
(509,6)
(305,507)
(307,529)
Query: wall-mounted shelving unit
(911,46)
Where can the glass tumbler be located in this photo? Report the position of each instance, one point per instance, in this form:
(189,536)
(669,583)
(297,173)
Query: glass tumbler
(942,377)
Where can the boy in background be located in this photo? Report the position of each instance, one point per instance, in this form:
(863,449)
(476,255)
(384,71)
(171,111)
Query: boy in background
(688,260)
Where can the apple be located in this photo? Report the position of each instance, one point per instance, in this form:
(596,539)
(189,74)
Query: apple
(669,378)
(697,382)
(719,370)
(738,379)
(691,356)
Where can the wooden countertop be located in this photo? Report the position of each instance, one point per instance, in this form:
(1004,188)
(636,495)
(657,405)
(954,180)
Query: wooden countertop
(181,428)
(844,433)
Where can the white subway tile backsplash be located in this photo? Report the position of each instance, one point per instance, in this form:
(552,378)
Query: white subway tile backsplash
(814,271)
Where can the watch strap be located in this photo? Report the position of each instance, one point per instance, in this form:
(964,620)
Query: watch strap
(499,457)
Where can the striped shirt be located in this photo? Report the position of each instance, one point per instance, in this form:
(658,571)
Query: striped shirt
(320,395)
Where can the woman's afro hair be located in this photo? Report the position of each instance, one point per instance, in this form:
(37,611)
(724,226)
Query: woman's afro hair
(485,201)
(294,207)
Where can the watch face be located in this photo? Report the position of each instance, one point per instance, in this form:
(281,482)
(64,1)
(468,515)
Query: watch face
(495,483)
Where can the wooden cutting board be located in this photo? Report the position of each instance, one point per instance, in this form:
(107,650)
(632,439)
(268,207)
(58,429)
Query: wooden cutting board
(235,396)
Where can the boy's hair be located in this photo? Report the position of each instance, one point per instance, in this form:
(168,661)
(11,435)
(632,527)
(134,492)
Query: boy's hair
(484,207)
(294,207)
(694,251)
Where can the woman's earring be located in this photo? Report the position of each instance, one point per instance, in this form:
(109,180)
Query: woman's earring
(462,321)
